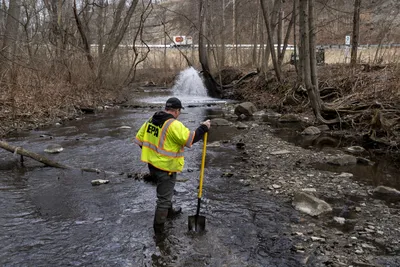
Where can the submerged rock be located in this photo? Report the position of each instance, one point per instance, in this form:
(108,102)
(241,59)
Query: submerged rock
(387,193)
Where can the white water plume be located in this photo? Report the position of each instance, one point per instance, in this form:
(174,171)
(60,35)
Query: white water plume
(189,83)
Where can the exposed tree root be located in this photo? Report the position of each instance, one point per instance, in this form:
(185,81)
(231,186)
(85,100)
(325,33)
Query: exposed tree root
(364,99)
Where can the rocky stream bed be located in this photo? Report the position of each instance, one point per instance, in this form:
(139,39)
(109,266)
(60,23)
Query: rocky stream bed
(355,223)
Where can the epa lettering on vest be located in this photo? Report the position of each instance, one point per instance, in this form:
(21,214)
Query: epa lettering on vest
(152,130)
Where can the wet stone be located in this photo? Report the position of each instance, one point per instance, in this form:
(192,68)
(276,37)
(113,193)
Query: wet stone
(245,108)
(241,126)
(219,122)
(364,161)
(342,160)
(280,152)
(312,130)
(359,251)
(310,205)
(52,149)
(387,192)
(355,149)
(345,175)
(99,182)
(124,127)
(289,118)
(323,128)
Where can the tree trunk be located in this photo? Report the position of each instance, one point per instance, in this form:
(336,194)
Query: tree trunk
(256,43)
(234,34)
(303,38)
(286,40)
(85,42)
(223,51)
(9,45)
(32,155)
(265,11)
(296,62)
(313,60)
(356,30)
(102,7)
(279,33)
(9,49)
(55,25)
(117,32)
(209,81)
(308,57)
(44,160)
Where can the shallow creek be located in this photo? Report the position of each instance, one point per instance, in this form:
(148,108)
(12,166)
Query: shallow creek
(54,217)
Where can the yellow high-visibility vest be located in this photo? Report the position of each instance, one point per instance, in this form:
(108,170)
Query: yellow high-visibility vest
(163,147)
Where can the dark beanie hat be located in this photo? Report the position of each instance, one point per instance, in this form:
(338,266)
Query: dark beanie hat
(174,103)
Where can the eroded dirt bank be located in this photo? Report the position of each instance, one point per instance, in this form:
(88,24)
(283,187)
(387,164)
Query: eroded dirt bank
(365,98)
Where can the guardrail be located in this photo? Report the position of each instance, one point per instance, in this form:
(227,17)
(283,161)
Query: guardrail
(251,46)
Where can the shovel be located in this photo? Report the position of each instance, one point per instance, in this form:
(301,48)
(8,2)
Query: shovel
(196,222)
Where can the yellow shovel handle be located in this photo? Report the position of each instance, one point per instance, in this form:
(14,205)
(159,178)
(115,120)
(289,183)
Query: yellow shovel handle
(203,159)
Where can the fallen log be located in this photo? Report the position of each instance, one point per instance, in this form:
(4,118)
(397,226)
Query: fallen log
(48,162)
(32,155)
(51,163)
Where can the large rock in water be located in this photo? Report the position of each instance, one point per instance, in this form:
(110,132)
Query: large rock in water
(309,204)
(312,130)
(245,108)
(52,149)
(342,160)
(388,193)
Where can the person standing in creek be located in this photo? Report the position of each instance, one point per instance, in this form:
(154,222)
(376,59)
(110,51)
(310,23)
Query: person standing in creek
(162,139)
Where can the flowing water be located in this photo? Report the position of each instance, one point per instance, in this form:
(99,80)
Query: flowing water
(54,217)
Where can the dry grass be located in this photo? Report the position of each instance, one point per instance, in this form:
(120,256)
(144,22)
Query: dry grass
(35,98)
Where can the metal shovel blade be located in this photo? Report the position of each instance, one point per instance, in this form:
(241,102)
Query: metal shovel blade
(197,223)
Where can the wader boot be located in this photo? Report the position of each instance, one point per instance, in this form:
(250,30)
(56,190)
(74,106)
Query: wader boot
(173,212)
(159,220)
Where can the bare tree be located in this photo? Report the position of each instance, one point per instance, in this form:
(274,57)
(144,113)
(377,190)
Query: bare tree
(101,9)
(139,34)
(308,60)
(85,41)
(209,81)
(115,35)
(270,37)
(356,31)
(9,44)
(54,8)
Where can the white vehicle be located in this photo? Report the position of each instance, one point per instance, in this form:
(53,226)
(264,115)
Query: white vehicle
(182,40)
